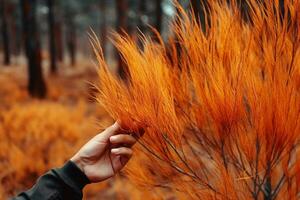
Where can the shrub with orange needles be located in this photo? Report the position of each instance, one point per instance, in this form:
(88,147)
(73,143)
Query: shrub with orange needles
(36,137)
(220,106)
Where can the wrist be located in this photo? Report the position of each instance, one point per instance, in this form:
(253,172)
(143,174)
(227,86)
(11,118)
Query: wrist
(78,162)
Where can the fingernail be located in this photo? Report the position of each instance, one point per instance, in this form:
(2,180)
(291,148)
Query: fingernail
(112,138)
(115,151)
(115,126)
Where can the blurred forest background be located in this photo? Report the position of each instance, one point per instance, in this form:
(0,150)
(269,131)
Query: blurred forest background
(52,33)
(47,69)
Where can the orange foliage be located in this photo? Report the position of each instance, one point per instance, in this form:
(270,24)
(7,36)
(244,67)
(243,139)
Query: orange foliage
(221,109)
(11,90)
(37,137)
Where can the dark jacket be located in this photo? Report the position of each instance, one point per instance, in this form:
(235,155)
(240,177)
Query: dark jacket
(58,184)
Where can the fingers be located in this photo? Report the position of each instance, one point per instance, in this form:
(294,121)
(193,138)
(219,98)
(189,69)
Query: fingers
(123,155)
(121,143)
(121,147)
(122,151)
(123,139)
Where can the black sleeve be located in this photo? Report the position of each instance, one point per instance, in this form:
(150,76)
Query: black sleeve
(58,184)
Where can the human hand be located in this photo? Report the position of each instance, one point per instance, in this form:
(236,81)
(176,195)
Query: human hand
(105,154)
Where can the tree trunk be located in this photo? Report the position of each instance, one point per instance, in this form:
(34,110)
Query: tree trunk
(72,45)
(15,32)
(122,10)
(103,30)
(142,20)
(58,40)
(71,41)
(36,83)
(142,15)
(5,35)
(52,46)
(158,15)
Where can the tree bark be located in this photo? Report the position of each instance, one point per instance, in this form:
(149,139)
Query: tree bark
(142,21)
(71,36)
(15,32)
(71,43)
(158,15)
(36,84)
(59,40)
(52,45)
(103,29)
(5,35)
(122,10)
(142,14)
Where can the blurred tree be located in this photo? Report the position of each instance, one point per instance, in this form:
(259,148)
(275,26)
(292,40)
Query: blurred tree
(59,40)
(58,30)
(36,84)
(159,14)
(122,10)
(15,27)
(71,40)
(71,8)
(142,16)
(142,20)
(52,43)
(5,35)
(103,29)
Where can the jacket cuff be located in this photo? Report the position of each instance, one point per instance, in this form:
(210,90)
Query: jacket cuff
(73,176)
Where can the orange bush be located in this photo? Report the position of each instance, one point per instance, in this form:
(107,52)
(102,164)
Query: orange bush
(12,90)
(37,137)
(220,107)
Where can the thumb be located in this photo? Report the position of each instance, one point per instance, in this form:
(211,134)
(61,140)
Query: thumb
(110,131)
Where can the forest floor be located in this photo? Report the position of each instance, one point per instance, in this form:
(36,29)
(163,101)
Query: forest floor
(36,135)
